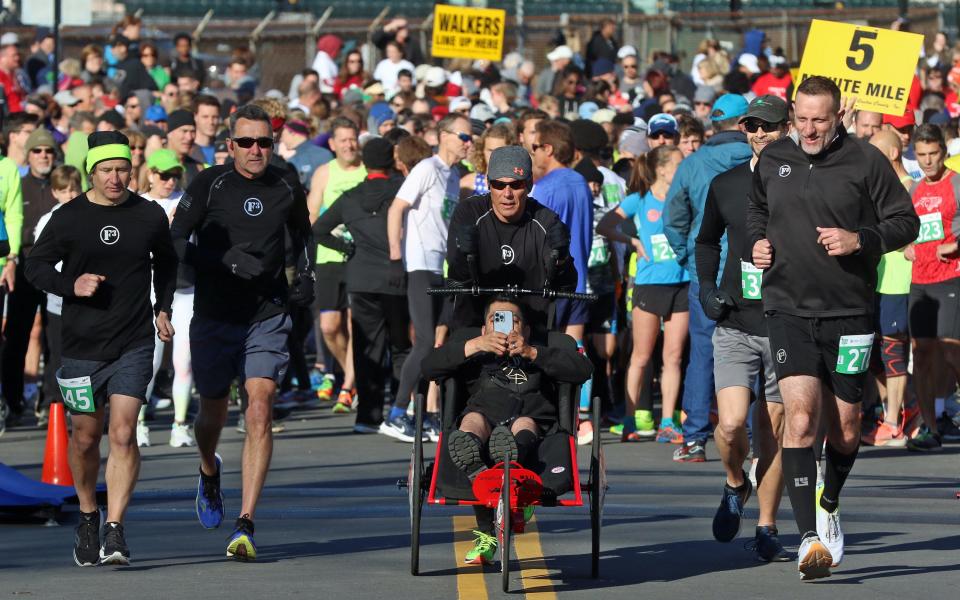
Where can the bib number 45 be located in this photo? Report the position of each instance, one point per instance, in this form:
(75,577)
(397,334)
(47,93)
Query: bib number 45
(77,394)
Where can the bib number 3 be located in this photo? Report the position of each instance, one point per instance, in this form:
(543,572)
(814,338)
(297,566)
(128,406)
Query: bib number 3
(77,394)
(751,278)
(853,356)
(661,248)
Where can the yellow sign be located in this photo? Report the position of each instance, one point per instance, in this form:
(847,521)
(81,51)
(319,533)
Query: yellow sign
(874,65)
(468,32)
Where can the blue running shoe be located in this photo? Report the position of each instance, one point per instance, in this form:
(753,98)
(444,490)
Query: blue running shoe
(241,546)
(210,498)
(726,523)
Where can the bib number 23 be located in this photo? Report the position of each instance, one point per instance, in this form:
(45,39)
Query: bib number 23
(77,394)
(853,356)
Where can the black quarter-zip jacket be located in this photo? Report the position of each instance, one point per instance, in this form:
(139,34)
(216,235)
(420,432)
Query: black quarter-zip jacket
(850,185)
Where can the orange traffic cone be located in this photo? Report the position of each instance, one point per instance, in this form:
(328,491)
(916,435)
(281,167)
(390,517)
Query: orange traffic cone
(56,467)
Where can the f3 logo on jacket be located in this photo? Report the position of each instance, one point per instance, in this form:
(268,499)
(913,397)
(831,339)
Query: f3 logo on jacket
(253,207)
(784,170)
(506,252)
(109,235)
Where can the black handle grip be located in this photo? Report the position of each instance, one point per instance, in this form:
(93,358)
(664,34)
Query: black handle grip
(510,290)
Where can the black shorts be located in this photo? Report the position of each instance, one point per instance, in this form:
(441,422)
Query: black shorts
(810,346)
(935,310)
(503,408)
(331,287)
(662,300)
(602,314)
(128,375)
(571,312)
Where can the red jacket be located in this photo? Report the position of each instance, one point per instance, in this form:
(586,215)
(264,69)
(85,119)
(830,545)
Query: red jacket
(15,94)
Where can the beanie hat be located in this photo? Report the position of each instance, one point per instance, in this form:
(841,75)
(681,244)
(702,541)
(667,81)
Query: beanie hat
(106,145)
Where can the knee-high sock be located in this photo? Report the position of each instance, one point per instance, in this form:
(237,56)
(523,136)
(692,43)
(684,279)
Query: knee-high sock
(800,475)
(835,475)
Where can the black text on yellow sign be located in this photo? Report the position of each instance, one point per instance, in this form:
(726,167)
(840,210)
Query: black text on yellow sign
(468,32)
(874,65)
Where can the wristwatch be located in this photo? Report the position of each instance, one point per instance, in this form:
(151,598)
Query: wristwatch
(13,258)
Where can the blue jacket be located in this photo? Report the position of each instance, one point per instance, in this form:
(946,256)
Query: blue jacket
(565,192)
(688,193)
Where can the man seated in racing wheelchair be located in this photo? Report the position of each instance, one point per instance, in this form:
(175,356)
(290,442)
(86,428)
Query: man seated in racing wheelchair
(512,381)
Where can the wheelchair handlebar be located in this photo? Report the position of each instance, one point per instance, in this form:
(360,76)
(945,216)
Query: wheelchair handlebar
(511,290)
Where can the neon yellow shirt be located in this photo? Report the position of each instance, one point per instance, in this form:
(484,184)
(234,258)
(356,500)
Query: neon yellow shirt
(339,180)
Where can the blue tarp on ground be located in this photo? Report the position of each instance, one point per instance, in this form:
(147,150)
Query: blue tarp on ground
(19,491)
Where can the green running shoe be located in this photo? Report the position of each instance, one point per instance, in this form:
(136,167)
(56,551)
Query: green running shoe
(484,547)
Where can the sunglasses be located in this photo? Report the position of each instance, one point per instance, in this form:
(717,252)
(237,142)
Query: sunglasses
(167,176)
(138,148)
(463,137)
(518,184)
(536,147)
(248,142)
(661,134)
(42,151)
(752,126)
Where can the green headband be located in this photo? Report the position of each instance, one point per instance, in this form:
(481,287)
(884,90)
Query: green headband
(107,152)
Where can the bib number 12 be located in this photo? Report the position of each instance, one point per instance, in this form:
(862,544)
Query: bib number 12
(853,356)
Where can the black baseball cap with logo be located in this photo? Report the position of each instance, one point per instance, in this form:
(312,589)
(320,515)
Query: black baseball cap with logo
(769,108)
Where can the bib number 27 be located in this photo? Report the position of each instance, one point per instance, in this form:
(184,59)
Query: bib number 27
(853,355)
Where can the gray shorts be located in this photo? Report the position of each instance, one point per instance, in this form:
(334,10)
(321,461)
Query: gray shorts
(739,358)
(128,375)
(221,352)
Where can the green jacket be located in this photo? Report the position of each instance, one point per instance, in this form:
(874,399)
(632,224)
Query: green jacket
(11,204)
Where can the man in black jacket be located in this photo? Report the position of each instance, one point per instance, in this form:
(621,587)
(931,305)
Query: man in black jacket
(741,350)
(513,239)
(823,209)
(376,288)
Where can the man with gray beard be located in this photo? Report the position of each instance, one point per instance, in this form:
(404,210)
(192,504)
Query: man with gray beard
(24,299)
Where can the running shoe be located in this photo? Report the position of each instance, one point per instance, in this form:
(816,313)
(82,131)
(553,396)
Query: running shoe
(585,432)
(241,424)
(690,452)
(316,379)
(668,434)
(325,391)
(143,435)
(948,429)
(400,428)
(240,544)
(828,529)
(464,450)
(631,437)
(210,498)
(912,422)
(925,441)
(43,418)
(645,425)
(86,540)
(813,559)
(616,429)
(729,516)
(180,436)
(484,548)
(766,544)
(502,445)
(884,434)
(431,427)
(344,402)
(361,428)
(114,550)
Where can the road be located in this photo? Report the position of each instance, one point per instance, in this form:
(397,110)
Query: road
(332,522)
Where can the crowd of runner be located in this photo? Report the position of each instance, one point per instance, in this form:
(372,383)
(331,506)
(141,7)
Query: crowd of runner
(741,247)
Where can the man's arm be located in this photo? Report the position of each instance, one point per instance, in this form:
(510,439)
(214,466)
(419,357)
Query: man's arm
(898,224)
(318,183)
(13,209)
(443,361)
(563,365)
(40,267)
(677,216)
(165,264)
(398,208)
(712,228)
(758,213)
(328,221)
(298,225)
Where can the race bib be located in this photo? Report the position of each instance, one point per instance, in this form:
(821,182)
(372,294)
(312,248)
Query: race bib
(750,280)
(611,193)
(931,228)
(599,253)
(661,248)
(77,394)
(853,356)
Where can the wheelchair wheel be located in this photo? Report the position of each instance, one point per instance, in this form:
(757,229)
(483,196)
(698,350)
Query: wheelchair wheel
(504,526)
(415,491)
(597,491)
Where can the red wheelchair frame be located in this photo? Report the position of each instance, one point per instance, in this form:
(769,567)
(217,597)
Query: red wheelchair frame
(506,487)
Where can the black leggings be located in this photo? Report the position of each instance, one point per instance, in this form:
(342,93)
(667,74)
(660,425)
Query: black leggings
(424,314)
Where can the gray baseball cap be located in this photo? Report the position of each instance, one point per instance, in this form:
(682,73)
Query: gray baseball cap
(509,161)
(769,108)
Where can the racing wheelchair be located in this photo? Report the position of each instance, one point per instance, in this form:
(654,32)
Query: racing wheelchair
(508,487)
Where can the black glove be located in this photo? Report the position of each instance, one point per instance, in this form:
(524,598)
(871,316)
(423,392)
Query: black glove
(398,275)
(558,238)
(240,263)
(301,291)
(466,239)
(349,248)
(716,303)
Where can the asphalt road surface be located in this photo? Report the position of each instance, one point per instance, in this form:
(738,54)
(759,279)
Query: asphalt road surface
(332,524)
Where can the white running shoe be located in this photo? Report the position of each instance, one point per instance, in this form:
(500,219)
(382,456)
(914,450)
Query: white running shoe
(143,435)
(585,433)
(828,528)
(813,559)
(180,436)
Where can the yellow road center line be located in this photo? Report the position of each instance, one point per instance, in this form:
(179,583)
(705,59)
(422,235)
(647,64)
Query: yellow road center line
(470,583)
(537,581)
